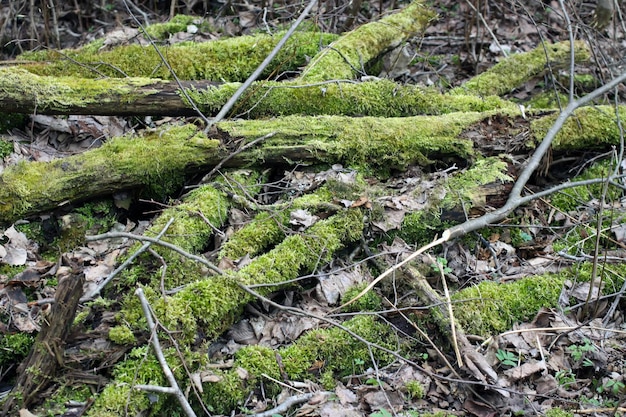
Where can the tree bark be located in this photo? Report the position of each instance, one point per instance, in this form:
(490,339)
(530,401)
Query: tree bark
(38,369)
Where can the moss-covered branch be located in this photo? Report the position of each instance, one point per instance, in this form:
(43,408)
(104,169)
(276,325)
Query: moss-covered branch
(346,57)
(513,71)
(24,92)
(158,161)
(231,59)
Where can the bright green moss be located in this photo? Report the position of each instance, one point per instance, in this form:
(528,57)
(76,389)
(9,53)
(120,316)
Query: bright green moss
(592,127)
(514,70)
(156,161)
(177,24)
(382,144)
(490,307)
(14,347)
(354,49)
(339,353)
(121,335)
(369,302)
(265,229)
(464,187)
(382,98)
(190,61)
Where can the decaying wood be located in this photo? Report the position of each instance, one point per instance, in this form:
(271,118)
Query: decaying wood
(38,370)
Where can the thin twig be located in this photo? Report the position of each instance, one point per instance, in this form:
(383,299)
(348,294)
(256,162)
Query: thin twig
(287,404)
(253,77)
(174,388)
(113,235)
(127,262)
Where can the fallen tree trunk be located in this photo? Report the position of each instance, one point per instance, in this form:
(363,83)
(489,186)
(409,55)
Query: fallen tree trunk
(24,92)
(159,160)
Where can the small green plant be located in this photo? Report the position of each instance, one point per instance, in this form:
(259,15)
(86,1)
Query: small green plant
(381,413)
(414,389)
(612,386)
(565,378)
(506,358)
(441,265)
(578,351)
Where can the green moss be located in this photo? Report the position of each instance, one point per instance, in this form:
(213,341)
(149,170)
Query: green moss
(14,347)
(548,100)
(382,98)
(382,144)
(592,127)
(268,228)
(558,412)
(189,61)
(514,70)
(491,307)
(419,227)
(334,348)
(464,187)
(349,53)
(177,24)
(369,302)
(142,367)
(414,389)
(121,335)
(6,148)
(572,198)
(155,162)
(461,189)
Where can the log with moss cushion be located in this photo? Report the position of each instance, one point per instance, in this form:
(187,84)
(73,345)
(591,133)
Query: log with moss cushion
(229,59)
(24,92)
(159,160)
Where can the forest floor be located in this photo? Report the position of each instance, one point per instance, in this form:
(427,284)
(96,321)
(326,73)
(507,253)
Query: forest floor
(580,368)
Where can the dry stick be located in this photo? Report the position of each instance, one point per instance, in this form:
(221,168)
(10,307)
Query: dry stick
(174,388)
(257,72)
(168,245)
(455,342)
(287,404)
(515,198)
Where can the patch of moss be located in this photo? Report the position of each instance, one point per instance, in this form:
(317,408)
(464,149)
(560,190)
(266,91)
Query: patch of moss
(176,24)
(464,185)
(382,98)
(368,144)
(142,367)
(348,54)
(14,347)
(490,307)
(369,302)
(268,228)
(6,148)
(592,127)
(121,335)
(335,349)
(155,162)
(514,70)
(189,61)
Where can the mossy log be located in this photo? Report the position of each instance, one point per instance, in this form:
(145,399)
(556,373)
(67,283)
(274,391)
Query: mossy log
(230,59)
(21,91)
(159,160)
